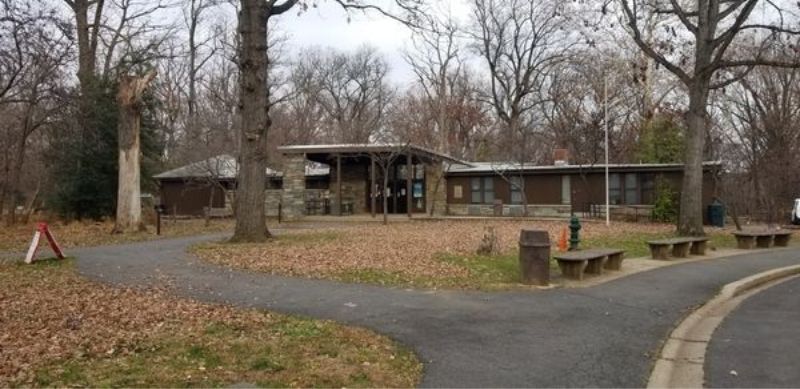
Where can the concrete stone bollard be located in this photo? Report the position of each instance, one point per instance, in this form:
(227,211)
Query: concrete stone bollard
(534,257)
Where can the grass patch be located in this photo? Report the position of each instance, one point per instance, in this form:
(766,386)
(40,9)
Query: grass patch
(60,330)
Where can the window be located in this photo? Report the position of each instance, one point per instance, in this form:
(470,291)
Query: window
(631,189)
(566,190)
(614,190)
(482,190)
(516,185)
(475,186)
(488,190)
(419,172)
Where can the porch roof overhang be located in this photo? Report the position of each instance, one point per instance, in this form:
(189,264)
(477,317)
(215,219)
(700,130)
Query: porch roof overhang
(324,153)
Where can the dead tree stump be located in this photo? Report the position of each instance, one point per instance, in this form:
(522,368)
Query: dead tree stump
(488,244)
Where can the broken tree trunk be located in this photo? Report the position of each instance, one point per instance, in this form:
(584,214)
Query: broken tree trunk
(488,245)
(129,99)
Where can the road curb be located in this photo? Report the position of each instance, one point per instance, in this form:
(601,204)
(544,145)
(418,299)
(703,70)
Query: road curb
(682,358)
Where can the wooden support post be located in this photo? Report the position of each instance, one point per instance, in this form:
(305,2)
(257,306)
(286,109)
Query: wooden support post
(395,189)
(339,184)
(372,185)
(409,172)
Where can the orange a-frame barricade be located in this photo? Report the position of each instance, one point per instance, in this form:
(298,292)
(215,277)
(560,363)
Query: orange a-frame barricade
(42,229)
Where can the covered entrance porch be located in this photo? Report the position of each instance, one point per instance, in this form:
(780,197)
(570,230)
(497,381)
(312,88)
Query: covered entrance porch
(364,178)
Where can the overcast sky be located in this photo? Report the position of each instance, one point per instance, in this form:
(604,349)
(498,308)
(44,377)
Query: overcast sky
(327,26)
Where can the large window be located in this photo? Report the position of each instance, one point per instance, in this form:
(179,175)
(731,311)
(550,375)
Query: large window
(482,190)
(631,189)
(614,189)
(517,184)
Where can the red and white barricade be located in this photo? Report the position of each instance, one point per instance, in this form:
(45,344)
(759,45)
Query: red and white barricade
(42,229)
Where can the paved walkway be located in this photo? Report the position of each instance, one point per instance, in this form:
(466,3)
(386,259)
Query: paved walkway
(599,336)
(760,341)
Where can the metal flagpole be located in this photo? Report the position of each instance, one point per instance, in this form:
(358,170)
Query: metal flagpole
(605,123)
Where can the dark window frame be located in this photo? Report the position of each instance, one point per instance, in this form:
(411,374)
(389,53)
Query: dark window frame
(485,193)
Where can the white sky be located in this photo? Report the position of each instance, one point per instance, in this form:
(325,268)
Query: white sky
(327,26)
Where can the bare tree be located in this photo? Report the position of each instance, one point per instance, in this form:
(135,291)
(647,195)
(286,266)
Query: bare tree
(253,62)
(760,114)
(351,88)
(435,60)
(699,49)
(129,98)
(33,55)
(520,42)
(193,17)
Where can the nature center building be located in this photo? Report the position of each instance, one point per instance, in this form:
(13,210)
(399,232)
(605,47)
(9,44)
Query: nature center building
(341,179)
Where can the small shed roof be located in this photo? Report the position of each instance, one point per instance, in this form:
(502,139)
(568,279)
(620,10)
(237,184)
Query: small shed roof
(225,166)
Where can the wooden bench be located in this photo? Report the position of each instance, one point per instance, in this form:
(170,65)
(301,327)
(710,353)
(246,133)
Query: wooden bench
(678,247)
(762,239)
(574,264)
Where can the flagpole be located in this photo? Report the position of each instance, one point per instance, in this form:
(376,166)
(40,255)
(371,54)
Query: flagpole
(605,123)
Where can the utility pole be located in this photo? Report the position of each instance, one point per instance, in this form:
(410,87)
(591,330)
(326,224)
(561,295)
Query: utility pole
(605,124)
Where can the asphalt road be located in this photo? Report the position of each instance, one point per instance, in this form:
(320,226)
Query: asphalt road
(759,341)
(603,336)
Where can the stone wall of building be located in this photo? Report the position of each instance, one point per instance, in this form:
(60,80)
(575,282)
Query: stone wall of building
(274,197)
(435,189)
(355,182)
(534,210)
(294,186)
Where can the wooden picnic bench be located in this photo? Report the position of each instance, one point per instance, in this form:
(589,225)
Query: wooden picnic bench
(678,247)
(574,264)
(762,239)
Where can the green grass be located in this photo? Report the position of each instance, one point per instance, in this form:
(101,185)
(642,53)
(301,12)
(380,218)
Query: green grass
(224,354)
(255,347)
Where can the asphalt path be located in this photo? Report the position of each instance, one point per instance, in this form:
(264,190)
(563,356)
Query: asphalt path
(603,336)
(758,344)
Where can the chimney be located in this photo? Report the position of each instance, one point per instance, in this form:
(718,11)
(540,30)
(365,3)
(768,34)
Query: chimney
(560,157)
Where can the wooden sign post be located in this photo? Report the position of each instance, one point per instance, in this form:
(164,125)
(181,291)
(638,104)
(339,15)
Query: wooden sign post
(42,229)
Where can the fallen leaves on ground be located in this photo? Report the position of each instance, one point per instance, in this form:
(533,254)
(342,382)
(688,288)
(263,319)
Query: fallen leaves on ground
(57,329)
(94,233)
(408,249)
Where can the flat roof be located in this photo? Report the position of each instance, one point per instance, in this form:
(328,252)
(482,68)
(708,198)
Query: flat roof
(503,167)
(225,166)
(367,148)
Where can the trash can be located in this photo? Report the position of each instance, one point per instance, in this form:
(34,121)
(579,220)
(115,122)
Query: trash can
(534,257)
(716,213)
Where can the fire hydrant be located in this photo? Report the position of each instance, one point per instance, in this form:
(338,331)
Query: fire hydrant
(574,234)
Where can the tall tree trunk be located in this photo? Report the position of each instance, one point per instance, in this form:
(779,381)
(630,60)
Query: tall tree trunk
(690,221)
(251,223)
(192,73)
(129,98)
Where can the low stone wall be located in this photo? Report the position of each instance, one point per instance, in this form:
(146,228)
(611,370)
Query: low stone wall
(534,210)
(273,197)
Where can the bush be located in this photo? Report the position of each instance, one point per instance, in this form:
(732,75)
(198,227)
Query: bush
(665,207)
